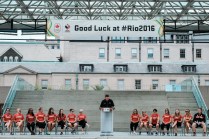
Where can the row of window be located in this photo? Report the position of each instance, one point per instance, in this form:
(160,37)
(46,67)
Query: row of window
(124,68)
(150,53)
(53,46)
(10,59)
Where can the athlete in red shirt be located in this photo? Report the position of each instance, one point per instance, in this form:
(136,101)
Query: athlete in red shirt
(166,121)
(61,119)
(30,119)
(187,120)
(19,120)
(82,120)
(72,122)
(154,121)
(134,118)
(51,119)
(40,120)
(177,121)
(7,119)
(144,122)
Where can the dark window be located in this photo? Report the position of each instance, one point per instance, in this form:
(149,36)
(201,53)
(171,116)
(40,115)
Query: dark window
(155,68)
(198,53)
(137,84)
(188,68)
(120,68)
(182,38)
(86,67)
(150,39)
(182,53)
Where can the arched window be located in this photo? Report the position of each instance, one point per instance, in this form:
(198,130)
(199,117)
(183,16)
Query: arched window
(16,59)
(5,59)
(11,59)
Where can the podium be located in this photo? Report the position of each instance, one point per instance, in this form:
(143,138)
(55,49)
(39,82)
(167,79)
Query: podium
(106,126)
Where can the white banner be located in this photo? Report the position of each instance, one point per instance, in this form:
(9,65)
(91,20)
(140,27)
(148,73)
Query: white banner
(101,29)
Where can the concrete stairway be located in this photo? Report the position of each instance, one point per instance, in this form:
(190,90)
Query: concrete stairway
(182,101)
(125,102)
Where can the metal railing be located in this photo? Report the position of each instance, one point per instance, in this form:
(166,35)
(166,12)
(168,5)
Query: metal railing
(198,97)
(11,95)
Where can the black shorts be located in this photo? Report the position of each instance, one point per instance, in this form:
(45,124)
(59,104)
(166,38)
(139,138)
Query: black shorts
(198,125)
(154,125)
(41,124)
(178,124)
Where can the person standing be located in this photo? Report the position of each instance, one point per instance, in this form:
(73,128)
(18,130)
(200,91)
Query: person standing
(199,121)
(19,120)
(107,103)
(30,119)
(7,119)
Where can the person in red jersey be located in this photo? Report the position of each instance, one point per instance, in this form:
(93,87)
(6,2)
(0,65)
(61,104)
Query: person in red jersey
(72,122)
(82,120)
(166,121)
(134,118)
(177,121)
(51,120)
(154,121)
(7,119)
(19,120)
(61,119)
(187,121)
(40,120)
(144,120)
(30,119)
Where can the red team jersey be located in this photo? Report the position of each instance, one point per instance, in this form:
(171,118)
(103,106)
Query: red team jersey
(52,117)
(187,117)
(154,117)
(81,117)
(62,118)
(145,118)
(71,117)
(177,118)
(40,116)
(166,118)
(30,118)
(18,117)
(7,117)
(135,118)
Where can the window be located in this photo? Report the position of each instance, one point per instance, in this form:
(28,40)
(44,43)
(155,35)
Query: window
(198,53)
(85,84)
(101,53)
(154,84)
(137,84)
(166,53)
(67,84)
(150,52)
(133,53)
(150,39)
(44,84)
(120,68)
(86,67)
(52,46)
(188,68)
(182,38)
(5,59)
(207,82)
(16,59)
(11,59)
(118,52)
(103,82)
(58,47)
(172,82)
(182,53)
(155,68)
(120,84)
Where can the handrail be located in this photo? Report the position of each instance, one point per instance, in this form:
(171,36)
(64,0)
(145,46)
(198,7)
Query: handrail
(11,95)
(198,96)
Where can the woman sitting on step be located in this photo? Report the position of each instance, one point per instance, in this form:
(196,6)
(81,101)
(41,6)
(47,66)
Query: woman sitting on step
(134,118)
(177,121)
(144,122)
(40,120)
(61,119)
(72,121)
(187,121)
(51,120)
(166,121)
(30,119)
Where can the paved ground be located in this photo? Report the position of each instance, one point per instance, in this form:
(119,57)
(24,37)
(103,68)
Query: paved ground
(96,135)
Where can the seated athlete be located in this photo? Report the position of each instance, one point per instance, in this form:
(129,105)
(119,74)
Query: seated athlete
(19,120)
(134,118)
(166,121)
(82,120)
(40,120)
(199,121)
(51,120)
(7,119)
(154,121)
(30,119)
(187,121)
(177,121)
(72,122)
(144,121)
(61,119)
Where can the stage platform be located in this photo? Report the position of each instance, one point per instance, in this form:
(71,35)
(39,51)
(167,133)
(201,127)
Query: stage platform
(96,135)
